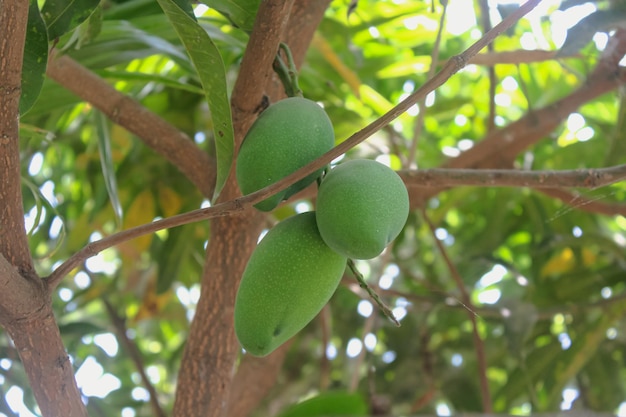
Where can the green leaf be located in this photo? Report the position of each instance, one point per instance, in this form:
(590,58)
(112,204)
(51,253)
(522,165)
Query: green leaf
(174,254)
(138,76)
(35,58)
(62,16)
(106,160)
(241,13)
(210,67)
(329,404)
(86,31)
(81,328)
(185,6)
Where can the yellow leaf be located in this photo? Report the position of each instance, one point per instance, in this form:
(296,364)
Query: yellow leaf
(152,303)
(141,211)
(559,264)
(169,201)
(589,257)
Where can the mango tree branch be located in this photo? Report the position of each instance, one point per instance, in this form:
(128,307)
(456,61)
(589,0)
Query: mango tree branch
(256,65)
(155,132)
(26,314)
(209,357)
(589,178)
(256,376)
(13,241)
(574,178)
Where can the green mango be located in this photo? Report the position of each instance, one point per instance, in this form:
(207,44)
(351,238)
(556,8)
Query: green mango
(285,137)
(362,206)
(290,276)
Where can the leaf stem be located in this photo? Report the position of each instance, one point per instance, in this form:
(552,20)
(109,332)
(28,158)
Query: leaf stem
(383,307)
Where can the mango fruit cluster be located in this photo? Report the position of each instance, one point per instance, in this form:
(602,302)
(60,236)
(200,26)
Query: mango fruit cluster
(361,207)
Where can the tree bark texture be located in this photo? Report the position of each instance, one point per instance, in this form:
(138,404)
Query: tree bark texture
(13,242)
(256,376)
(31,324)
(159,135)
(25,305)
(208,362)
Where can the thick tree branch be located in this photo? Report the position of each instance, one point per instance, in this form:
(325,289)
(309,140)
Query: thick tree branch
(517,57)
(13,241)
(501,146)
(155,132)
(206,371)
(576,178)
(256,376)
(26,314)
(256,66)
(254,379)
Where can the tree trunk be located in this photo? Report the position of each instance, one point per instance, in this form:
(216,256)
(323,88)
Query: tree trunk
(208,361)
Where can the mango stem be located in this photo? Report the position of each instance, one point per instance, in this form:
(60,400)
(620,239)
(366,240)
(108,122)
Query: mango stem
(374,296)
(287,72)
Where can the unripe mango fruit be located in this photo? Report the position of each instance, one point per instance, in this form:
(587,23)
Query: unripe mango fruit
(285,137)
(290,276)
(362,205)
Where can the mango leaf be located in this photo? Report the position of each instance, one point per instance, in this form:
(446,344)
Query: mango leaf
(81,328)
(241,13)
(138,76)
(86,31)
(581,33)
(35,58)
(185,6)
(173,256)
(106,160)
(63,16)
(210,67)
(329,404)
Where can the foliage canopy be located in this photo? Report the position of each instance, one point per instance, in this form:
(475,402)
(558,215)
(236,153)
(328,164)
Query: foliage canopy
(511,299)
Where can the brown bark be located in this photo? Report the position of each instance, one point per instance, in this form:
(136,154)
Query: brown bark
(256,376)
(25,305)
(13,242)
(209,358)
(254,379)
(28,318)
(159,135)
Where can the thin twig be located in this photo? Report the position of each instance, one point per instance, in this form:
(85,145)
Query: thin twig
(419,123)
(486,24)
(591,205)
(465,298)
(135,355)
(591,178)
(383,307)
